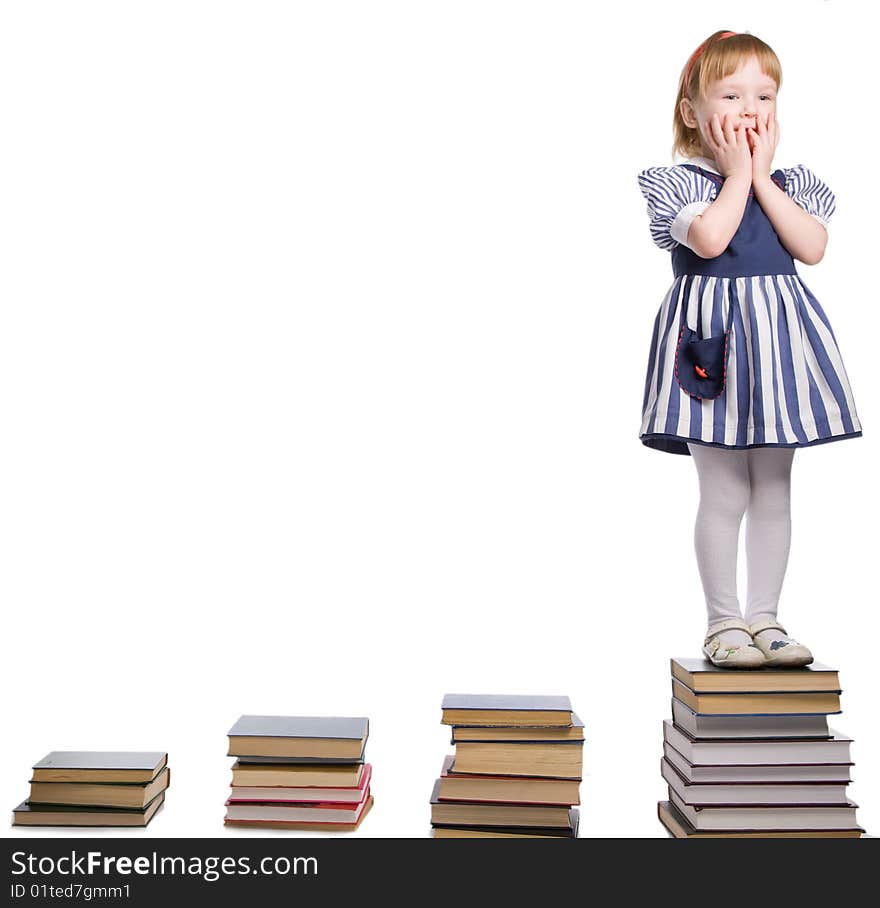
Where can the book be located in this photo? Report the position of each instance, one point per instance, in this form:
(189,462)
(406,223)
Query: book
(573,732)
(298,736)
(505,709)
(279,760)
(99,794)
(326,775)
(756,703)
(737,817)
(473,832)
(292,812)
(67,815)
(761,751)
(508,832)
(700,794)
(809,726)
(783,772)
(306,826)
(309,794)
(702,676)
(680,828)
(455,786)
(99,766)
(506,816)
(559,760)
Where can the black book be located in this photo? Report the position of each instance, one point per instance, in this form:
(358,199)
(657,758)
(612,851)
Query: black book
(325,737)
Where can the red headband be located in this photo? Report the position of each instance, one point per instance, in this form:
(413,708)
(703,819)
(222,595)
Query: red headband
(696,56)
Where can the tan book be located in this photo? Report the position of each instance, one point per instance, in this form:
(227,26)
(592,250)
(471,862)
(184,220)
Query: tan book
(308,795)
(505,709)
(99,794)
(329,775)
(456,786)
(309,737)
(462,832)
(304,826)
(500,832)
(702,676)
(60,815)
(756,703)
(562,760)
(508,817)
(99,766)
(573,732)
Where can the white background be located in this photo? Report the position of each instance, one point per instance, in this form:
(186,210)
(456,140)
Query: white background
(323,338)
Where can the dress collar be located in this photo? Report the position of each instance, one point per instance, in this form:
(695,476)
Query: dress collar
(705,163)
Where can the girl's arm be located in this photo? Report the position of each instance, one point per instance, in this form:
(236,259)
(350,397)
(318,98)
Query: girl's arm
(711,232)
(801,234)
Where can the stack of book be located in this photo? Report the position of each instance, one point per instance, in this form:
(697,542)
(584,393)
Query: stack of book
(95,788)
(299,772)
(750,754)
(516,769)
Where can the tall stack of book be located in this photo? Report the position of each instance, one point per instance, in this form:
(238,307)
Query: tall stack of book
(299,772)
(95,788)
(516,770)
(750,754)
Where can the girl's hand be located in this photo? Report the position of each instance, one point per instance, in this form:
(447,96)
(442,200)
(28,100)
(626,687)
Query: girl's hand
(763,142)
(729,147)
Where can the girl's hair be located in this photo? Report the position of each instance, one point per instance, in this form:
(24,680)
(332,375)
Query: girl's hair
(719,56)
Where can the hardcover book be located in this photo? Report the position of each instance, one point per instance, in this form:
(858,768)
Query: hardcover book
(299,737)
(730,817)
(462,813)
(702,676)
(756,703)
(680,828)
(760,751)
(323,774)
(782,772)
(559,760)
(505,709)
(573,732)
(456,786)
(41,815)
(349,825)
(815,726)
(301,794)
(99,794)
(702,794)
(99,766)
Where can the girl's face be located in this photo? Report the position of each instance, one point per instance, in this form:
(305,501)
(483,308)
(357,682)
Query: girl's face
(741,97)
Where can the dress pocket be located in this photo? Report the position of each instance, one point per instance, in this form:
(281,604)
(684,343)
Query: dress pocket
(701,363)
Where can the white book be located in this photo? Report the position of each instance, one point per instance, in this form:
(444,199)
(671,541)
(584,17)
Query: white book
(757,751)
(805,772)
(241,793)
(735,817)
(700,726)
(699,794)
(294,814)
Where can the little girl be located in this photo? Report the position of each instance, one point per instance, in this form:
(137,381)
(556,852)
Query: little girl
(744,367)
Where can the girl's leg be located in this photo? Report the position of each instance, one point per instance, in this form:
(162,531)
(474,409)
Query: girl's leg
(724,497)
(768,529)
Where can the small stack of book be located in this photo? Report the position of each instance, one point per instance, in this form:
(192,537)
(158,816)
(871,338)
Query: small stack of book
(750,754)
(516,769)
(95,788)
(299,772)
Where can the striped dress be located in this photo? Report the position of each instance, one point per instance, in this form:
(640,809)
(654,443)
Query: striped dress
(785,385)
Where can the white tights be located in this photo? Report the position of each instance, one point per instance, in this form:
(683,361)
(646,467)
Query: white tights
(755,482)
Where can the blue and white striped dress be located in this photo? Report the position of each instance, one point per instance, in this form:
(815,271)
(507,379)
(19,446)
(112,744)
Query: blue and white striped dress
(786,385)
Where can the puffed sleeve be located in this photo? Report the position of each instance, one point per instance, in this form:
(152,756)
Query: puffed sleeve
(676,195)
(808,191)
